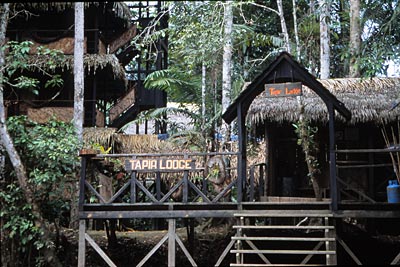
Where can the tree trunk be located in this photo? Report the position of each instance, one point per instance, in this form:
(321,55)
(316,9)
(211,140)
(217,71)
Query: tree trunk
(226,66)
(296,32)
(79,70)
(324,39)
(283,26)
(22,178)
(203,97)
(78,97)
(355,38)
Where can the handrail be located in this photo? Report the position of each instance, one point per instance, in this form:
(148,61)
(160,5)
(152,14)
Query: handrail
(165,154)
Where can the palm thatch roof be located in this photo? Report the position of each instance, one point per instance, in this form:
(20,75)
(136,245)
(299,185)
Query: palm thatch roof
(92,63)
(369,100)
(120,9)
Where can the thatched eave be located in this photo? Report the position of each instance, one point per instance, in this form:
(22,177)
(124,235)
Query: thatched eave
(92,63)
(283,69)
(369,100)
(120,9)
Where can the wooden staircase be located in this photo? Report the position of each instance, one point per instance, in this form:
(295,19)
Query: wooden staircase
(284,238)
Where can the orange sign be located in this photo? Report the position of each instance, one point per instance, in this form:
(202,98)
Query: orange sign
(283,89)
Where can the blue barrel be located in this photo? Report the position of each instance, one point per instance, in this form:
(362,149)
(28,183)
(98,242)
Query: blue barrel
(393,191)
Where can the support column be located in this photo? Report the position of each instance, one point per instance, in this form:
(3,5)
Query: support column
(171,242)
(332,160)
(82,243)
(331,259)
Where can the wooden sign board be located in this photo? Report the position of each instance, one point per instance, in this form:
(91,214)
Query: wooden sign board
(159,164)
(283,89)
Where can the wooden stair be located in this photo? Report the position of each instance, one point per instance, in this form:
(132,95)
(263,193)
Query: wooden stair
(284,238)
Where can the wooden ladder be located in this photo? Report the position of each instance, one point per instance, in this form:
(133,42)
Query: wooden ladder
(284,238)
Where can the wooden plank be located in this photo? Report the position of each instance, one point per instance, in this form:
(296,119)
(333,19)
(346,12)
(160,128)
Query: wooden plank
(355,190)
(251,244)
(282,251)
(396,260)
(82,243)
(152,251)
(180,243)
(223,192)
(200,193)
(285,213)
(185,187)
(144,189)
(330,259)
(98,249)
(269,238)
(174,188)
(120,191)
(301,227)
(348,250)
(309,256)
(91,188)
(259,265)
(171,242)
(224,253)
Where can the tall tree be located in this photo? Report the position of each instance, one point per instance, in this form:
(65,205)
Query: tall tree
(20,171)
(296,31)
(324,39)
(227,65)
(283,26)
(355,38)
(79,70)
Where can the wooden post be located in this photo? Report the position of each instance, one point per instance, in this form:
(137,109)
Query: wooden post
(158,185)
(82,244)
(133,186)
(185,184)
(332,159)
(171,242)
(241,180)
(331,259)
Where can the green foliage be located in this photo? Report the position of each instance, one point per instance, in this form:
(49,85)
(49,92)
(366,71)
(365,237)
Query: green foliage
(19,61)
(49,154)
(307,140)
(180,86)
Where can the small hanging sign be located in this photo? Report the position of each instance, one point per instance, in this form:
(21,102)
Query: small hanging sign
(283,89)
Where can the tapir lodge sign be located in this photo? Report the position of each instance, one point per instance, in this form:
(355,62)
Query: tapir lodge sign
(159,164)
(283,89)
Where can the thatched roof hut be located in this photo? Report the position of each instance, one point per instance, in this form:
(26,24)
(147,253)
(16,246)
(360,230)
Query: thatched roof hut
(368,99)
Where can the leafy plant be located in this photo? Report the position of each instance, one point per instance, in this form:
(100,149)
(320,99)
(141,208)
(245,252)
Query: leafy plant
(49,154)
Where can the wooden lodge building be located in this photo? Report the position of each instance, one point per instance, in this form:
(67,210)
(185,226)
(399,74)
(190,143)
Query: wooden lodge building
(277,219)
(114,91)
(363,175)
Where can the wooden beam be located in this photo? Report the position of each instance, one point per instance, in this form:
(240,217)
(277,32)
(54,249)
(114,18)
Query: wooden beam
(98,249)
(180,243)
(225,252)
(348,250)
(331,259)
(251,244)
(396,260)
(332,159)
(82,243)
(152,251)
(171,242)
(308,257)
